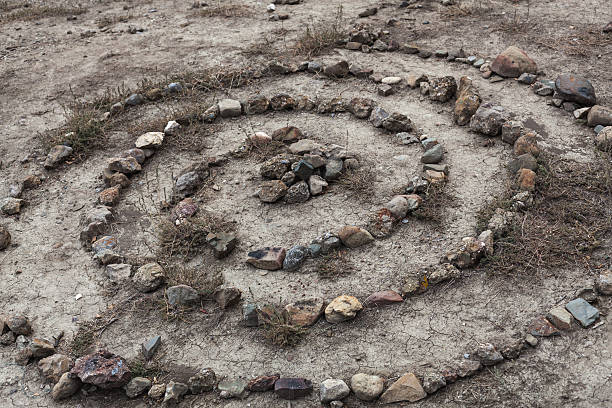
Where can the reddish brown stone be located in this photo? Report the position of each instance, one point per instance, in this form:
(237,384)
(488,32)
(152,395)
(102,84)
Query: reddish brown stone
(292,388)
(526,144)
(512,62)
(288,134)
(541,327)
(103,369)
(267,258)
(450,375)
(184,209)
(305,312)
(385,297)
(526,179)
(110,196)
(263,383)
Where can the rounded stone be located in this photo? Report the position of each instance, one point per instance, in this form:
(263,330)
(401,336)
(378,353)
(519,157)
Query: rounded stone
(333,390)
(575,89)
(367,387)
(342,308)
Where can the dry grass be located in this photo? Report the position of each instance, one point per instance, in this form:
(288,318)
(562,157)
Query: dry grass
(582,42)
(320,37)
(359,182)
(335,264)
(204,281)
(226,11)
(438,198)
(147,369)
(112,19)
(10,12)
(571,215)
(278,328)
(260,153)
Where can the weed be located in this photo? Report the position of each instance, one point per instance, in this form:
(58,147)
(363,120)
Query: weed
(205,282)
(148,369)
(359,182)
(112,19)
(438,198)
(10,12)
(278,328)
(321,36)
(335,264)
(226,11)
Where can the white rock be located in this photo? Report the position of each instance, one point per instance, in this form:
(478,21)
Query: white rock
(149,139)
(271,8)
(333,390)
(171,128)
(229,108)
(391,80)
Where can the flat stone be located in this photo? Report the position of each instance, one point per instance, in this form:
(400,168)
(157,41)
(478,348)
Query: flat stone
(137,386)
(229,108)
(441,273)
(149,140)
(337,70)
(433,155)
(488,119)
(182,296)
(560,318)
(272,191)
(512,62)
(303,146)
(135,99)
(367,387)
(174,393)
(354,237)
(583,311)
(342,308)
(222,243)
(102,369)
(386,90)
(263,383)
(41,347)
(527,78)
(577,89)
(234,389)
(287,134)
(333,390)
(600,115)
(57,155)
(305,312)
(397,122)
(541,327)
(148,277)
(118,273)
(407,388)
(66,387)
(150,347)
(385,297)
(543,88)
(292,388)
(53,367)
(227,296)
(267,258)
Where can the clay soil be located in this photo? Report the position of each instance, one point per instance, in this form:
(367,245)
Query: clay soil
(48,62)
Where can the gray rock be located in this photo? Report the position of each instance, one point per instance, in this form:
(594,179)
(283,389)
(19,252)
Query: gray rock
(598,129)
(314,67)
(527,78)
(250,314)
(333,169)
(314,250)
(511,131)
(229,108)
(298,193)
(137,386)
(174,392)
(117,273)
(222,243)
(524,161)
(65,387)
(397,122)
(11,205)
(148,277)
(433,381)
(333,390)
(204,381)
(577,89)
(233,389)
(583,311)
(302,169)
(150,347)
(227,296)
(433,155)
(289,178)
(135,99)
(187,183)
(182,296)
(56,155)
(488,355)
(479,62)
(157,391)
(317,185)
(367,387)
(296,255)
(377,116)
(543,87)
(488,119)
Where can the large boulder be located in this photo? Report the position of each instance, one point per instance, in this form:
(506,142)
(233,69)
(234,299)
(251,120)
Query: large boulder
(513,62)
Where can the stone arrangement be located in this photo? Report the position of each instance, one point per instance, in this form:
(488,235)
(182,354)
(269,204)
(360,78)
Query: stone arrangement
(303,173)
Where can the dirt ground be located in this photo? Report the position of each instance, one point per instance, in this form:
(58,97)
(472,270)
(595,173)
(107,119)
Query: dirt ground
(47,62)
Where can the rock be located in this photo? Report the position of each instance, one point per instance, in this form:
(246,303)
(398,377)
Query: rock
(442,89)
(385,297)
(267,258)
(377,116)
(467,255)
(432,382)
(433,155)
(275,167)
(303,146)
(150,347)
(604,282)
(263,383)
(298,193)
(135,99)
(66,387)
(488,119)
(189,182)
(488,355)
(391,80)
(414,80)
(407,388)
(148,277)
(361,107)
(398,206)
(367,13)
(174,392)
(289,178)
(226,297)
(272,191)
(257,105)
(250,314)
(184,209)
(527,78)
(541,327)
(511,348)
(600,115)
(5,238)
(560,318)
(531,340)
(333,169)
(442,273)
(8,338)
(367,387)
(112,179)
(127,165)
(486,237)
(501,222)
(342,308)
(305,312)
(526,179)
(292,388)
(332,390)
(182,296)
(157,391)
(137,386)
(138,154)
(314,67)
(353,46)
(222,243)
(229,108)
(102,369)
(288,134)
(109,196)
(397,122)
(544,88)
(41,348)
(467,103)
(210,114)
(282,102)
(386,90)
(149,140)
(354,237)
(527,144)
(511,131)
(338,70)
(583,311)
(513,62)
(19,325)
(11,206)
(296,255)
(317,185)
(57,155)
(204,381)
(577,89)
(302,169)
(603,139)
(428,142)
(581,113)
(424,88)
(468,368)
(53,367)
(233,389)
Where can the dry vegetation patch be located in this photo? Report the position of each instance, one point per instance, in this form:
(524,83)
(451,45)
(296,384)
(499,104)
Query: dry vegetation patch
(15,11)
(320,37)
(278,328)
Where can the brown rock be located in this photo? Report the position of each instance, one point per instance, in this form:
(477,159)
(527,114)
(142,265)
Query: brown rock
(338,70)
(112,179)
(102,369)
(226,297)
(468,368)
(560,318)
(600,115)
(5,238)
(263,383)
(109,196)
(603,140)
(65,387)
(272,191)
(526,179)
(407,388)
(353,236)
(19,325)
(305,312)
(541,327)
(292,388)
(31,182)
(385,297)
(41,347)
(267,258)
(53,367)
(467,102)
(342,308)
(288,134)
(527,144)
(513,62)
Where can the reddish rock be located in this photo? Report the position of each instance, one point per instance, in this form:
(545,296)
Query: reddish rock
(127,165)
(467,102)
(263,383)
(305,312)
(102,369)
(526,179)
(541,327)
(267,258)
(527,144)
(353,236)
(450,375)
(513,62)
(385,297)
(110,196)
(407,388)
(288,134)
(292,388)
(184,209)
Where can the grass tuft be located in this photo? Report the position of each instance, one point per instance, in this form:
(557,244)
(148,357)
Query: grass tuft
(10,12)
(320,37)
(335,264)
(278,328)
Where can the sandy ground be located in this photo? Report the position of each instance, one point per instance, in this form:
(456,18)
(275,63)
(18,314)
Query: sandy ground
(42,66)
